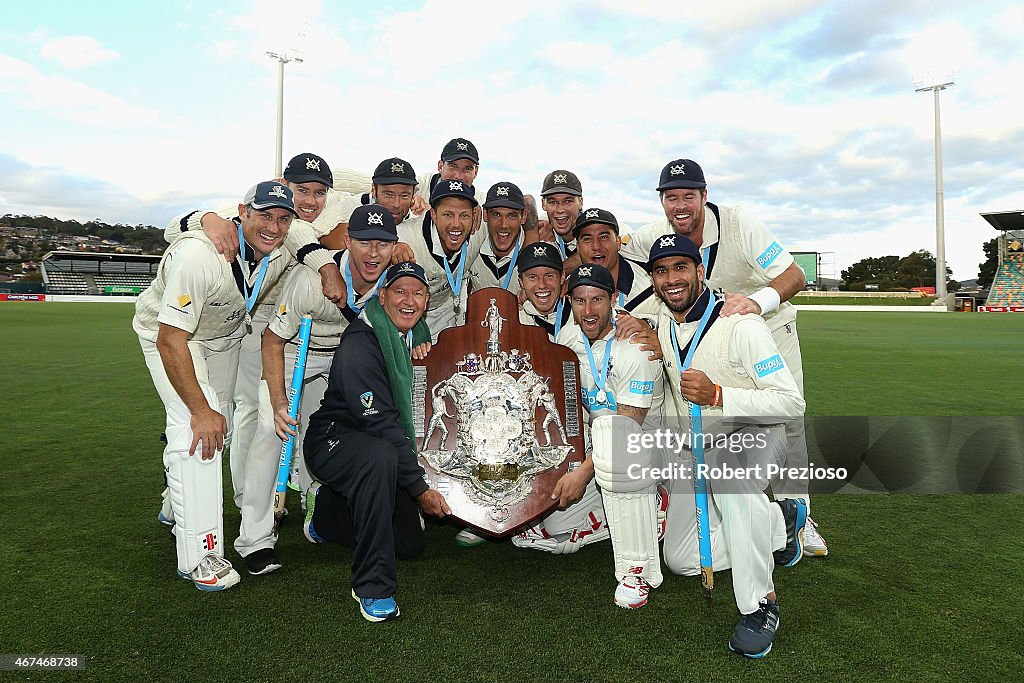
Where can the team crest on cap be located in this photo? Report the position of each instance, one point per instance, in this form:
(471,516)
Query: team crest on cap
(667,241)
(455,185)
(585,271)
(502,191)
(397,168)
(540,251)
(677,170)
(463,146)
(592,213)
(312,164)
(278,191)
(559,179)
(375,219)
(406,267)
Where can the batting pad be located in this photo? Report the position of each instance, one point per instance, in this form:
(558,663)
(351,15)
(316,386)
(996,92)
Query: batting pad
(566,531)
(630,502)
(195,489)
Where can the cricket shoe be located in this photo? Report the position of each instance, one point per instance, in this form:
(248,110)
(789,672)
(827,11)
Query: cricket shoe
(166,514)
(795,514)
(467,539)
(214,573)
(814,544)
(755,632)
(377,609)
(307,526)
(631,593)
(662,511)
(262,561)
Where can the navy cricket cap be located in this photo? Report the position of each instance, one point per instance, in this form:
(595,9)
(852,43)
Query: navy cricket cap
(592,275)
(394,171)
(452,188)
(460,148)
(270,194)
(681,174)
(673,245)
(371,222)
(560,181)
(504,194)
(592,216)
(308,168)
(538,254)
(404,269)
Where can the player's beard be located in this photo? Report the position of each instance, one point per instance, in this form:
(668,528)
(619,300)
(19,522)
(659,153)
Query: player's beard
(693,293)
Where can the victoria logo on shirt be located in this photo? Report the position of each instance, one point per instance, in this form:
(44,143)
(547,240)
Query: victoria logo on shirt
(366,398)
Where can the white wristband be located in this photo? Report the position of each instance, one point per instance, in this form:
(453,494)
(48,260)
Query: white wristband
(767,298)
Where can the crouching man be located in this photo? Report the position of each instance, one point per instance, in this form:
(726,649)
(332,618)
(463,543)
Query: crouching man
(361,444)
(731,368)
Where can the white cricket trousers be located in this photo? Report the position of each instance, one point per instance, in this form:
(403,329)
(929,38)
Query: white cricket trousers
(195,486)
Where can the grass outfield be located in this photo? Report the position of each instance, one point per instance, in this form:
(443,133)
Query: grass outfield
(917,587)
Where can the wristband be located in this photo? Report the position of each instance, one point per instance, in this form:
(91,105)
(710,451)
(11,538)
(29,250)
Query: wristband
(718,397)
(767,298)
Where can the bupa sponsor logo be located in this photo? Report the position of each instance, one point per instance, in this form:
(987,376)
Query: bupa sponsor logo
(769,255)
(769,365)
(642,388)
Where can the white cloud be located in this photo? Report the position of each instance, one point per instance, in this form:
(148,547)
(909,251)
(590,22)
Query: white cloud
(77,52)
(26,87)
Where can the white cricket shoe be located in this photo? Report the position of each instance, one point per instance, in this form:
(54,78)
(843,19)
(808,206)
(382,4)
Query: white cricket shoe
(214,573)
(467,539)
(814,544)
(631,593)
(166,514)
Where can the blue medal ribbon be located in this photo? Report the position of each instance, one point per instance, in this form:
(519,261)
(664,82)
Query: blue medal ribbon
(456,282)
(512,263)
(558,318)
(250,298)
(601,376)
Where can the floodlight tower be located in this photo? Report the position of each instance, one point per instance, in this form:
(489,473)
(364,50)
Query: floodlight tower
(282,59)
(936,85)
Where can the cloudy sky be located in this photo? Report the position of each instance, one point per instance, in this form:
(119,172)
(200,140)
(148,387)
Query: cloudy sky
(805,110)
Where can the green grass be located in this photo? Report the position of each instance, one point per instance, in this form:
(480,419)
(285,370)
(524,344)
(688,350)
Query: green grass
(860,301)
(917,587)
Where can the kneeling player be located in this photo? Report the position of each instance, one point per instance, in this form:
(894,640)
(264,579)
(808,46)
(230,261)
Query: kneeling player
(734,371)
(618,382)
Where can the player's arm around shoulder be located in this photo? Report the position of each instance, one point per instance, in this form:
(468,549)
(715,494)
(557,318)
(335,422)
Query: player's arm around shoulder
(753,352)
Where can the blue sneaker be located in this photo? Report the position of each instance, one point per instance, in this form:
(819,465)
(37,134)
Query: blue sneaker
(755,632)
(377,609)
(795,513)
(307,526)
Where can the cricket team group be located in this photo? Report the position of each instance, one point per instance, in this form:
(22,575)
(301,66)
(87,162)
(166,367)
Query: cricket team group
(684,323)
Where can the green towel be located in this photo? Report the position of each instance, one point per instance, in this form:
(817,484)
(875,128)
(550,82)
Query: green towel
(395,348)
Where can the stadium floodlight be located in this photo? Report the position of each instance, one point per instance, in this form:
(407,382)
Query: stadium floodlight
(282,59)
(937,82)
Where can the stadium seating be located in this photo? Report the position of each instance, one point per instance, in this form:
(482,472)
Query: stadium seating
(66,283)
(1008,286)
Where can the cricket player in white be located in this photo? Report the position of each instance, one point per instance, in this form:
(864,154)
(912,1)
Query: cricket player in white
(190,322)
(310,179)
(617,382)
(736,372)
(745,260)
(505,214)
(370,240)
(440,241)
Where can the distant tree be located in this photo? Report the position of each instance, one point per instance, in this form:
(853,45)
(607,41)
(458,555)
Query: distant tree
(987,270)
(880,271)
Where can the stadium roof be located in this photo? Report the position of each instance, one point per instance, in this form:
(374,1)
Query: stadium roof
(1005,220)
(100,256)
